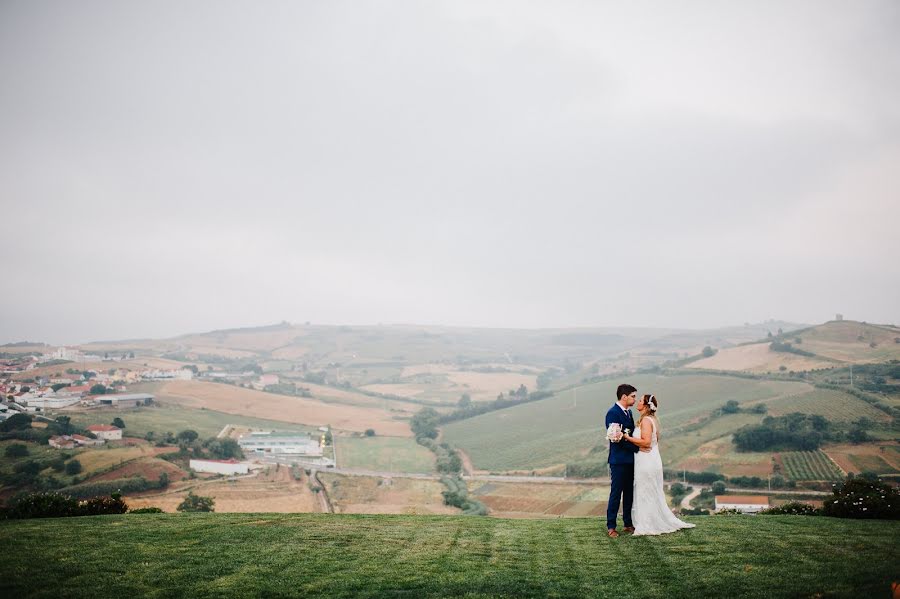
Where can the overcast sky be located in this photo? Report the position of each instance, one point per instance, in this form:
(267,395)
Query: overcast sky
(168,167)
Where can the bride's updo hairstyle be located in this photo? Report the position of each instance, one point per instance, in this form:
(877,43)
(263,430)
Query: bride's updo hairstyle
(651,402)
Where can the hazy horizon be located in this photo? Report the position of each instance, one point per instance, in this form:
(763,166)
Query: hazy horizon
(168,168)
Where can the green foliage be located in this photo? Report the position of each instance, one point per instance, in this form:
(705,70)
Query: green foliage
(146,510)
(73,467)
(370,432)
(196,503)
(98,389)
(780,346)
(424,423)
(792,508)
(587,469)
(188,436)
(16,450)
(708,352)
(223,449)
(97,506)
(804,432)
(108,487)
(43,505)
(16,422)
(118,422)
(731,407)
(718,488)
(457,495)
(810,465)
(864,499)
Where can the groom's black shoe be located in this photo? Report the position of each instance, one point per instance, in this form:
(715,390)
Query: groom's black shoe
(629,529)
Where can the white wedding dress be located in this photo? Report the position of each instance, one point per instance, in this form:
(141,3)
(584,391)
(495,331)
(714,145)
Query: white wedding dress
(650,513)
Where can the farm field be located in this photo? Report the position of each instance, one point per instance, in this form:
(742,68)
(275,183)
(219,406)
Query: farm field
(810,465)
(719,455)
(383,454)
(883,458)
(523,500)
(281,555)
(758,358)
(551,431)
(102,458)
(164,417)
(376,495)
(259,404)
(273,490)
(850,341)
(148,467)
(833,405)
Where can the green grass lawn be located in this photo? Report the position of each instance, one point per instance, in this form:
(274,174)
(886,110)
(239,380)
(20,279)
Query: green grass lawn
(556,430)
(172,418)
(391,454)
(311,555)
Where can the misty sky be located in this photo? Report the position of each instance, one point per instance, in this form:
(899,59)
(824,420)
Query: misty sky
(169,167)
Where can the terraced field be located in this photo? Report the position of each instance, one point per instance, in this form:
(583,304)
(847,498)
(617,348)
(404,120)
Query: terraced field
(552,431)
(810,465)
(522,500)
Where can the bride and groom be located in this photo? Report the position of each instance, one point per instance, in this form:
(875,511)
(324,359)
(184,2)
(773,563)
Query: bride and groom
(636,468)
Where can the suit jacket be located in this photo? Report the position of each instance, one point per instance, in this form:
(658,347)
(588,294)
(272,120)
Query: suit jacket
(623,451)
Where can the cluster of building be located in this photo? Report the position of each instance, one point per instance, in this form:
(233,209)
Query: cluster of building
(102,433)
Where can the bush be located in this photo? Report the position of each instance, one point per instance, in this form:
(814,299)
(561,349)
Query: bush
(792,508)
(729,513)
(370,432)
(98,506)
(695,511)
(860,498)
(16,450)
(718,488)
(73,467)
(16,422)
(43,505)
(108,487)
(146,510)
(196,503)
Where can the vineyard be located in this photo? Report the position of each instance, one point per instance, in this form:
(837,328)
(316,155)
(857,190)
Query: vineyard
(836,406)
(564,427)
(810,465)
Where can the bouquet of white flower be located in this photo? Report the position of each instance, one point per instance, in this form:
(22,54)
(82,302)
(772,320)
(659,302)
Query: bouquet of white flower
(614,432)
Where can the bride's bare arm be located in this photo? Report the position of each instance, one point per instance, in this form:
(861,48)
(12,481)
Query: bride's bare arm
(645,441)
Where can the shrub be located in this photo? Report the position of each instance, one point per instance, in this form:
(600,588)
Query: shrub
(695,511)
(860,498)
(718,488)
(16,450)
(108,487)
(73,467)
(196,503)
(43,505)
(146,510)
(97,506)
(792,508)
(729,513)
(16,422)
(370,432)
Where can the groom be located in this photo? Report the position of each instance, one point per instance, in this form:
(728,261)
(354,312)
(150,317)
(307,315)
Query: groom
(621,461)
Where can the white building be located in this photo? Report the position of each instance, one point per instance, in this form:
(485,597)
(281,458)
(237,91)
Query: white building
(220,466)
(123,399)
(748,504)
(106,431)
(295,444)
(51,402)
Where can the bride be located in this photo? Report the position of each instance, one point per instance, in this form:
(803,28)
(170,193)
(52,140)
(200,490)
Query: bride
(651,513)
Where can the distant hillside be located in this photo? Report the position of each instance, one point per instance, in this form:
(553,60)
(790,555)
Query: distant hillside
(311,555)
(830,344)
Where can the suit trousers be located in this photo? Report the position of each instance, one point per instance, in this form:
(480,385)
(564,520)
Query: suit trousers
(621,488)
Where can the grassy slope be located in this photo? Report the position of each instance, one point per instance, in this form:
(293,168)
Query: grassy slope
(554,430)
(173,418)
(392,454)
(263,555)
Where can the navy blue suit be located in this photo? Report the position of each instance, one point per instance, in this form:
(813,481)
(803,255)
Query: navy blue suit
(621,468)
